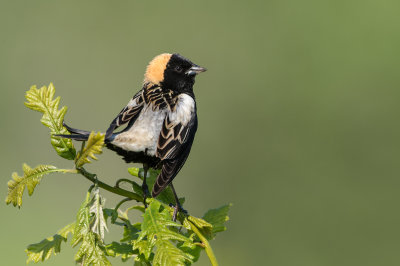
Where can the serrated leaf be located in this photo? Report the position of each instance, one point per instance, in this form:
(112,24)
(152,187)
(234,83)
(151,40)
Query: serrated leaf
(98,224)
(144,247)
(91,253)
(205,227)
(141,261)
(82,226)
(91,250)
(41,100)
(52,245)
(217,218)
(199,223)
(157,234)
(168,254)
(94,145)
(195,251)
(166,196)
(30,180)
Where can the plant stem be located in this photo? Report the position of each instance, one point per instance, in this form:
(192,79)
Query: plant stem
(120,203)
(207,246)
(115,190)
(135,186)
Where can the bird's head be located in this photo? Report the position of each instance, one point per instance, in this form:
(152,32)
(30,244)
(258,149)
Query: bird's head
(172,71)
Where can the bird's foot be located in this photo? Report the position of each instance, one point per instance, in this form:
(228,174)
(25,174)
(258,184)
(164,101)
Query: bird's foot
(177,208)
(146,194)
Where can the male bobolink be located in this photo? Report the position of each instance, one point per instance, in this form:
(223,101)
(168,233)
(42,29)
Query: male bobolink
(161,121)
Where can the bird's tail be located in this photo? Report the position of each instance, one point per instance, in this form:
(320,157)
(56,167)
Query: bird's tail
(168,172)
(76,134)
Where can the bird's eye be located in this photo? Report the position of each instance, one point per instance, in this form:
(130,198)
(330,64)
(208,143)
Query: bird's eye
(178,69)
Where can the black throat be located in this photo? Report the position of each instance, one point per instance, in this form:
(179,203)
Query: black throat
(175,78)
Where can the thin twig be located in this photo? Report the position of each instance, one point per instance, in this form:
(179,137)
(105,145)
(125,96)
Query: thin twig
(115,190)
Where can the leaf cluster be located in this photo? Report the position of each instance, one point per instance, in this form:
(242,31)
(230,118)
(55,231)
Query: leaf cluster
(41,100)
(154,240)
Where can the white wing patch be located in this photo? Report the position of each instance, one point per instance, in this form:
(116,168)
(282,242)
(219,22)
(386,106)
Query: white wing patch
(146,133)
(183,110)
(176,129)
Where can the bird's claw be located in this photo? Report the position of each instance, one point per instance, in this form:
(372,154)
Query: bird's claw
(177,208)
(146,194)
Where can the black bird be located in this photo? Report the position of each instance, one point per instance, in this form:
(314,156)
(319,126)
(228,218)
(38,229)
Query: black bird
(161,121)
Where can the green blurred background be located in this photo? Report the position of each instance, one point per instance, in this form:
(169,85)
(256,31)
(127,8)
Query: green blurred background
(298,119)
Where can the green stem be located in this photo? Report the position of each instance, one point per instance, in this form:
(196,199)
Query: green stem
(121,202)
(207,246)
(119,181)
(115,190)
(134,185)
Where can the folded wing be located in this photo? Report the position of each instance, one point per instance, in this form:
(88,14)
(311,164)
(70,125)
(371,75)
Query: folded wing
(128,114)
(173,148)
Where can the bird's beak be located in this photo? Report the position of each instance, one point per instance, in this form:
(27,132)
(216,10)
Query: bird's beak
(195,69)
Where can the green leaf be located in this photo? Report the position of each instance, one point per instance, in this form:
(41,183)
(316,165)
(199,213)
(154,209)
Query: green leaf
(41,100)
(52,245)
(168,254)
(91,253)
(93,146)
(30,180)
(199,223)
(141,261)
(91,250)
(217,218)
(130,231)
(82,222)
(98,224)
(110,213)
(205,227)
(167,196)
(120,249)
(195,251)
(157,234)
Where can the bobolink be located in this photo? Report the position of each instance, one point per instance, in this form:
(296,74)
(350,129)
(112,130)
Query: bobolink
(161,121)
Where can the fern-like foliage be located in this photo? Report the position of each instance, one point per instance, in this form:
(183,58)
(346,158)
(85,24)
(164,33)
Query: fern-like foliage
(156,233)
(41,100)
(93,146)
(91,250)
(98,224)
(52,245)
(29,180)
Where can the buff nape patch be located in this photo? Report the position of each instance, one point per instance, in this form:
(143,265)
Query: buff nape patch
(155,70)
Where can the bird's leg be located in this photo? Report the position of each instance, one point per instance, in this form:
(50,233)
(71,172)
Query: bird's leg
(177,206)
(145,189)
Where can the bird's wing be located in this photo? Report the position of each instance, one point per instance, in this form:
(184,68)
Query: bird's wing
(174,144)
(128,114)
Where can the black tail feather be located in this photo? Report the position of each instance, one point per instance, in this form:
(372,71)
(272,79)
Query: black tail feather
(77,134)
(80,137)
(76,131)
